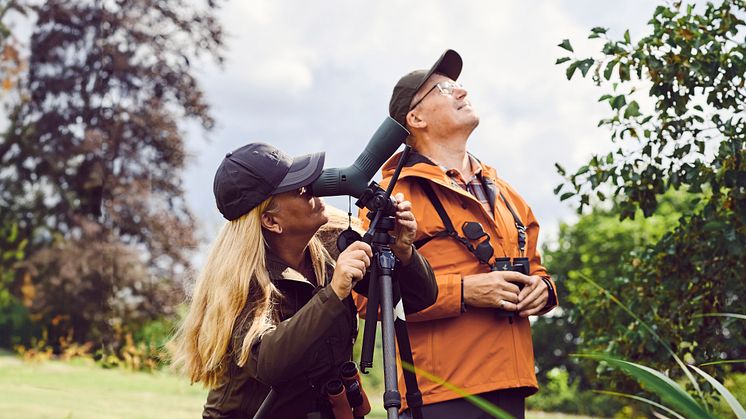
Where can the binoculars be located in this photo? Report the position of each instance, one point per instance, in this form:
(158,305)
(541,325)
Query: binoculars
(517,265)
(346,396)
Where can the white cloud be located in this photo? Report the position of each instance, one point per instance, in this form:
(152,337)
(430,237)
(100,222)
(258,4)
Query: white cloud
(317,76)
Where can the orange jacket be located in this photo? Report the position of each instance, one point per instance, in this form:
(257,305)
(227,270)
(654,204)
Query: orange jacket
(475,350)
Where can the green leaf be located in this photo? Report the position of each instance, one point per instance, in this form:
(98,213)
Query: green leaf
(626,37)
(664,387)
(724,361)
(727,395)
(640,399)
(732,315)
(13,233)
(633,110)
(562,60)
(599,29)
(571,69)
(560,169)
(624,72)
(566,195)
(566,45)
(558,188)
(477,401)
(618,102)
(585,65)
(582,170)
(610,69)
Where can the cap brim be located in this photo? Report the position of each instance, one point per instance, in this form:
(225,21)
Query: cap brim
(304,170)
(449,64)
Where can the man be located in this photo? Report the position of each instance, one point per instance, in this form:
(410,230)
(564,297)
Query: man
(477,335)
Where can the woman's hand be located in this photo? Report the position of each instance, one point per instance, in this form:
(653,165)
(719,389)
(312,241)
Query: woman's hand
(405,231)
(351,266)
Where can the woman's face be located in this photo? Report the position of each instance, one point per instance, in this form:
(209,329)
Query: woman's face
(299,212)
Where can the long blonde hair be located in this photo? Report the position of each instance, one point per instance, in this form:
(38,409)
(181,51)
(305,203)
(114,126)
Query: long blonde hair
(233,279)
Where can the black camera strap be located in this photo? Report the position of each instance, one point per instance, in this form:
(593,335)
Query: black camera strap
(451,231)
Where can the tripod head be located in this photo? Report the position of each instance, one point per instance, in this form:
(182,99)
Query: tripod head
(381,211)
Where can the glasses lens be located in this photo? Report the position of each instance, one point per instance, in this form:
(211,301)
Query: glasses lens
(447,88)
(473,230)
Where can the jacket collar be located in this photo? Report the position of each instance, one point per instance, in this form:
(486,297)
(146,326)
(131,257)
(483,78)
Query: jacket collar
(279,270)
(418,165)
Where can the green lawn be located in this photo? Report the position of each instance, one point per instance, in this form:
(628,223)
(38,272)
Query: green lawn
(81,389)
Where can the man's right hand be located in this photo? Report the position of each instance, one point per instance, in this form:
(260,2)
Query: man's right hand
(494,289)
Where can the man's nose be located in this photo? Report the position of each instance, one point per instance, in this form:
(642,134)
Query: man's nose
(460,92)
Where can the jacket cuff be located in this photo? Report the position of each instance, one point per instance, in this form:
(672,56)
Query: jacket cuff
(552,300)
(448,303)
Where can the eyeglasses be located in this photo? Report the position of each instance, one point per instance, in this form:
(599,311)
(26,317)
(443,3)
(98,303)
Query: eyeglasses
(445,88)
(474,231)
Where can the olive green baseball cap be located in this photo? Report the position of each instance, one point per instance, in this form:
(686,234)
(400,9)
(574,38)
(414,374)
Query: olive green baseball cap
(449,64)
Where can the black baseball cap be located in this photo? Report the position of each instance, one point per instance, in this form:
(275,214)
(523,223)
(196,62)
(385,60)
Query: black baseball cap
(449,64)
(254,172)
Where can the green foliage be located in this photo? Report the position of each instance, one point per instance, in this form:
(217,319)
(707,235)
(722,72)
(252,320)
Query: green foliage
(558,394)
(15,324)
(694,65)
(680,402)
(91,159)
(689,133)
(603,248)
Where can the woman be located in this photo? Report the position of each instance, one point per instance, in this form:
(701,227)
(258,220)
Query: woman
(270,307)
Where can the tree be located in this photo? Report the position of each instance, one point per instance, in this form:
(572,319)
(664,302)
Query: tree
(600,247)
(694,137)
(94,150)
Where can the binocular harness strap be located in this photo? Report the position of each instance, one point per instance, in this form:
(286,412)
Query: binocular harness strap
(518,225)
(451,231)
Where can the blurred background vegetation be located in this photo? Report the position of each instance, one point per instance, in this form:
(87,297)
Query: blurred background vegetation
(96,238)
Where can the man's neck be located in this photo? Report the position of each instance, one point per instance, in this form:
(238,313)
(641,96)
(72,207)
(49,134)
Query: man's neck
(450,154)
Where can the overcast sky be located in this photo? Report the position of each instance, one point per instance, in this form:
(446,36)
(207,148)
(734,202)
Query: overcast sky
(318,76)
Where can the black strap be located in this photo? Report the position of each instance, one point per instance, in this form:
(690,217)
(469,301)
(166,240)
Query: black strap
(450,230)
(438,206)
(518,225)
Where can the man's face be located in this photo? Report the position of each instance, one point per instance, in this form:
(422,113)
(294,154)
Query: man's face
(443,105)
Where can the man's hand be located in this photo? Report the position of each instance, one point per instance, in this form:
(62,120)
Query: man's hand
(350,268)
(405,231)
(494,289)
(533,297)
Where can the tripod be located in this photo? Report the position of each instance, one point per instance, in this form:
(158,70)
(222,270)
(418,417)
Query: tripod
(381,293)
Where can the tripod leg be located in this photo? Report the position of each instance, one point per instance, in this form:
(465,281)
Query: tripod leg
(391,395)
(414,396)
(371,320)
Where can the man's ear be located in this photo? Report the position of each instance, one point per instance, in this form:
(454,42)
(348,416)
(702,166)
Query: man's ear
(269,223)
(414,120)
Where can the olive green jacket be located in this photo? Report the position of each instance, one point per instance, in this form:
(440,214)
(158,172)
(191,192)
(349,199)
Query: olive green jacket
(305,350)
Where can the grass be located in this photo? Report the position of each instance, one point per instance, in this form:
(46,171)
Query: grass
(80,389)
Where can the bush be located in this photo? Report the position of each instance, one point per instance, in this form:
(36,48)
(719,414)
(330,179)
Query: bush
(559,395)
